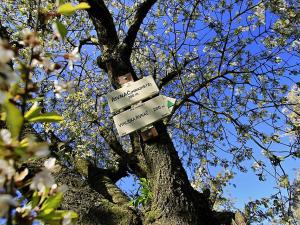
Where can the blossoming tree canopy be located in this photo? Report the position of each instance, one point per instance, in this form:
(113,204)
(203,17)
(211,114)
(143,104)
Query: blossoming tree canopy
(233,67)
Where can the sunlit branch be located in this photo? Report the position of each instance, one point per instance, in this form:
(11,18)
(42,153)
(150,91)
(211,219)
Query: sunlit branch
(112,141)
(196,89)
(170,76)
(140,15)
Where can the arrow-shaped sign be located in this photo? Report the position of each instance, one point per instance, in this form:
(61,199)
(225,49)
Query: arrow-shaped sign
(131,93)
(144,114)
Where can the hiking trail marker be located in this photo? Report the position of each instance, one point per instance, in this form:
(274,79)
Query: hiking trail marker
(141,115)
(131,93)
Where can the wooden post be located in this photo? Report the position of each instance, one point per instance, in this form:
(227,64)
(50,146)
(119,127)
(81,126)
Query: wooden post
(149,133)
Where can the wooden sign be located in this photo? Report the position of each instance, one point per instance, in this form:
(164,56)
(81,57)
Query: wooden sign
(131,93)
(143,114)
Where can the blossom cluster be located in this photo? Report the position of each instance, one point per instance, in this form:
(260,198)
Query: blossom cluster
(294,100)
(293,111)
(43,195)
(7,76)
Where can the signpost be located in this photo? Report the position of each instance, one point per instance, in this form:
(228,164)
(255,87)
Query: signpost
(143,114)
(132,92)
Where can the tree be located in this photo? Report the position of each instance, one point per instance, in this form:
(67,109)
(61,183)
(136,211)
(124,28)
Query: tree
(229,64)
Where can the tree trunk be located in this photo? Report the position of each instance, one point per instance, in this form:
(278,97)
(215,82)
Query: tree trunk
(98,200)
(174,200)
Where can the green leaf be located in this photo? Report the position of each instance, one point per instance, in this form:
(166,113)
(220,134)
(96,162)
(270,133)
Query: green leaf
(14,118)
(46,117)
(51,204)
(69,9)
(33,115)
(34,200)
(38,99)
(82,5)
(60,2)
(143,181)
(284,181)
(20,151)
(138,201)
(62,30)
(131,202)
(33,111)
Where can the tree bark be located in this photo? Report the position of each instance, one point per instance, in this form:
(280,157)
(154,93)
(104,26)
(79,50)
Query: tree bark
(174,200)
(104,206)
(93,207)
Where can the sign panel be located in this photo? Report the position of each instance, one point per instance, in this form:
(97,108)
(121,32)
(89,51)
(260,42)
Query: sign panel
(144,114)
(131,93)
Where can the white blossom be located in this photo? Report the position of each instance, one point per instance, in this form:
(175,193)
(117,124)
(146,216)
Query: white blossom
(42,150)
(7,76)
(259,11)
(256,166)
(294,99)
(5,136)
(253,27)
(233,63)
(30,38)
(72,57)
(60,87)
(296,44)
(45,63)
(50,165)
(206,49)
(41,181)
(7,171)
(293,110)
(48,65)
(278,59)
(25,209)
(6,54)
(38,149)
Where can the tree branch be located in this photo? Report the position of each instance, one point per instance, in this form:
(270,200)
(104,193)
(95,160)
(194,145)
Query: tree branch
(170,76)
(104,24)
(3,32)
(126,159)
(112,141)
(140,15)
(196,89)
